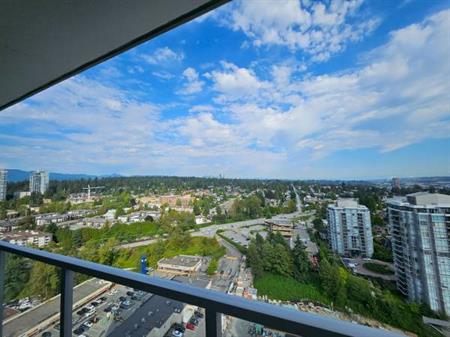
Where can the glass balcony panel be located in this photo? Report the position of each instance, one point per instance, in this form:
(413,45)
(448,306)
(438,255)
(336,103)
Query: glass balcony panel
(31,297)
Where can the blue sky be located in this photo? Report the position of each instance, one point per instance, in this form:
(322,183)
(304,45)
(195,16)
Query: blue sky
(267,89)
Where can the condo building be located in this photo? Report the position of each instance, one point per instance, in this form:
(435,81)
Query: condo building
(349,228)
(39,182)
(420,228)
(3,182)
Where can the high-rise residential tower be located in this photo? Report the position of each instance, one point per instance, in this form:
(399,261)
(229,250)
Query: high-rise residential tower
(3,183)
(349,228)
(420,228)
(395,183)
(39,181)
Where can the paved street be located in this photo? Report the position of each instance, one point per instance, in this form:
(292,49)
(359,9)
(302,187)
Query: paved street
(33,317)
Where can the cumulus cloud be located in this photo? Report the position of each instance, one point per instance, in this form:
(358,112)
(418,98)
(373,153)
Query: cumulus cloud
(193,82)
(382,104)
(255,121)
(235,83)
(317,28)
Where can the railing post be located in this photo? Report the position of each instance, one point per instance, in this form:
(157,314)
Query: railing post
(66,303)
(213,322)
(2,287)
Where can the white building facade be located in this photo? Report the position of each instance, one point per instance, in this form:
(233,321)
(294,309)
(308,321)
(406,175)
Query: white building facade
(3,182)
(349,228)
(39,182)
(420,228)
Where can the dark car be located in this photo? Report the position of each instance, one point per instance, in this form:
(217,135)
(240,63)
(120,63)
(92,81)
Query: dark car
(82,311)
(107,309)
(79,330)
(122,298)
(46,334)
(130,293)
(193,321)
(198,314)
(179,327)
(103,298)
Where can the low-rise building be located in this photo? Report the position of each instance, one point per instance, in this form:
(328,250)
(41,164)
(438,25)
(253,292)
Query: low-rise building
(110,214)
(282,225)
(94,222)
(181,264)
(28,238)
(8,225)
(49,218)
(21,194)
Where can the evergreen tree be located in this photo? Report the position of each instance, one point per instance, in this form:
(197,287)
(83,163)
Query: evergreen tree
(301,264)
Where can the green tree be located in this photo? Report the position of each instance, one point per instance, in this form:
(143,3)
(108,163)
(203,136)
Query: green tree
(17,274)
(43,281)
(301,264)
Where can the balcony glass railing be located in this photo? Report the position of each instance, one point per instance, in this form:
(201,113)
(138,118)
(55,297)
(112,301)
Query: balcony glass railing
(215,308)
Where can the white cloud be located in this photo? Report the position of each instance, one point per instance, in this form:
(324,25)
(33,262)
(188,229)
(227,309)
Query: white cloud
(235,83)
(319,29)
(163,75)
(399,95)
(193,83)
(256,120)
(163,56)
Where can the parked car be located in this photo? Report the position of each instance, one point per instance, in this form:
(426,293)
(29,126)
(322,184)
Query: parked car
(179,327)
(190,326)
(87,325)
(89,313)
(193,321)
(177,333)
(122,298)
(79,330)
(130,293)
(198,314)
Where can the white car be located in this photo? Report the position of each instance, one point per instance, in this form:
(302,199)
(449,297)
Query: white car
(89,313)
(88,324)
(176,333)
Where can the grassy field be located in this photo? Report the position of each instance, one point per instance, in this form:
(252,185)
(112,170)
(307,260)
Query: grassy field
(130,258)
(287,289)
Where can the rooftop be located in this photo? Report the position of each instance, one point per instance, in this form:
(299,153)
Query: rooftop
(421,199)
(181,260)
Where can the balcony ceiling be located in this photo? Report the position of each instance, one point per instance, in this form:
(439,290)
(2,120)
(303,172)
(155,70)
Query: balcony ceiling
(45,42)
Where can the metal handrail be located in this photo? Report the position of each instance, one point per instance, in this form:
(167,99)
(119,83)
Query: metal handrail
(215,303)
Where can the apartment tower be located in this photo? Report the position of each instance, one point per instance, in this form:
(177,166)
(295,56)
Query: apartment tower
(349,228)
(420,228)
(39,182)
(3,182)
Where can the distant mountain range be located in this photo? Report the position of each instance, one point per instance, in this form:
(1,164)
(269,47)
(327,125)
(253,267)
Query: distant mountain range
(20,175)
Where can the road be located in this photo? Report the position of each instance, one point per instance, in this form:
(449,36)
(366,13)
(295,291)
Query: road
(210,231)
(298,200)
(33,317)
